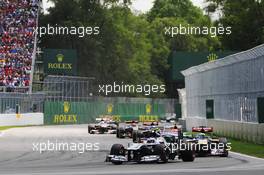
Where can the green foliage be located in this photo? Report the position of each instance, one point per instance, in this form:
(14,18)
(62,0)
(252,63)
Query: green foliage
(176,9)
(246,17)
(175,12)
(123,52)
(130,48)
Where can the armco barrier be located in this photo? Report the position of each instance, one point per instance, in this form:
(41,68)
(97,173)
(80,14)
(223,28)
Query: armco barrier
(85,112)
(21,120)
(252,132)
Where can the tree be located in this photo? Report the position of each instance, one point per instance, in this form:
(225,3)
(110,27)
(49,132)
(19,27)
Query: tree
(175,12)
(246,17)
(123,52)
(130,48)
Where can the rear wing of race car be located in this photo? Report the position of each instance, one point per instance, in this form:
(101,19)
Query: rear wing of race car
(154,123)
(171,131)
(99,119)
(131,122)
(202,129)
(103,119)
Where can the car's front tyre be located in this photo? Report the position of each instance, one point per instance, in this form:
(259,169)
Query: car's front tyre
(117,150)
(160,150)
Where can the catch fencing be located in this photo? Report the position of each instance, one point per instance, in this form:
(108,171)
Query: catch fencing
(21,102)
(71,100)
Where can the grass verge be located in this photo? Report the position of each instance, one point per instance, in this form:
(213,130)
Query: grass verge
(8,127)
(247,148)
(243,147)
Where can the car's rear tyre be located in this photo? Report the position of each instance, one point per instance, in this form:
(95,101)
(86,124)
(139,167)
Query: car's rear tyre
(121,133)
(225,154)
(202,154)
(160,150)
(89,129)
(117,133)
(188,155)
(224,141)
(134,136)
(129,132)
(117,150)
(139,137)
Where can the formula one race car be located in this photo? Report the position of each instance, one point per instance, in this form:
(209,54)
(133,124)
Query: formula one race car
(126,129)
(103,126)
(159,149)
(152,130)
(207,145)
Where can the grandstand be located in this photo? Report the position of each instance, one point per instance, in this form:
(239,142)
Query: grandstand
(18,18)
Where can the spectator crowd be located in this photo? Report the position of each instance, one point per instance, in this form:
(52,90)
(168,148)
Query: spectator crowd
(18,18)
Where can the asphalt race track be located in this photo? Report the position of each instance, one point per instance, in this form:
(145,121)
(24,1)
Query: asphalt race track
(17,156)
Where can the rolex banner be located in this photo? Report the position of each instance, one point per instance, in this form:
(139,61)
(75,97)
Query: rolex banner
(64,112)
(60,62)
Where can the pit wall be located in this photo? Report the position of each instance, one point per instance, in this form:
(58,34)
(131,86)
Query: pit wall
(251,132)
(21,119)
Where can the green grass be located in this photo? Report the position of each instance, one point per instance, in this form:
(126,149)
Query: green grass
(247,148)
(8,127)
(243,147)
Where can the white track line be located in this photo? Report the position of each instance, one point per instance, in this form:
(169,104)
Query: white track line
(247,156)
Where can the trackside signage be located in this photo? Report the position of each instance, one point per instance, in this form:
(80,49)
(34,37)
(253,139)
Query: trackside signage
(66,117)
(146,115)
(64,112)
(60,62)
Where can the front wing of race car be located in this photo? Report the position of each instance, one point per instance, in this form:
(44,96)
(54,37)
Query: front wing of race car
(107,131)
(218,152)
(144,159)
(116,158)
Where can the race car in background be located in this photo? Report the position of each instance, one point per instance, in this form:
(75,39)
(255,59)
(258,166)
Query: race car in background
(159,149)
(145,130)
(153,130)
(126,129)
(206,144)
(169,118)
(129,128)
(103,125)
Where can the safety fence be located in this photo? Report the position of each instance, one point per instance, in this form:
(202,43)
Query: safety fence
(21,103)
(73,100)
(72,111)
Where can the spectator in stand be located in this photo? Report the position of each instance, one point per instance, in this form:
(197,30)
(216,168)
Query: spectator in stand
(17,21)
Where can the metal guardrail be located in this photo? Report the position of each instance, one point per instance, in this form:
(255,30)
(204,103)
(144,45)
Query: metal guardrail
(14,89)
(26,102)
(35,102)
